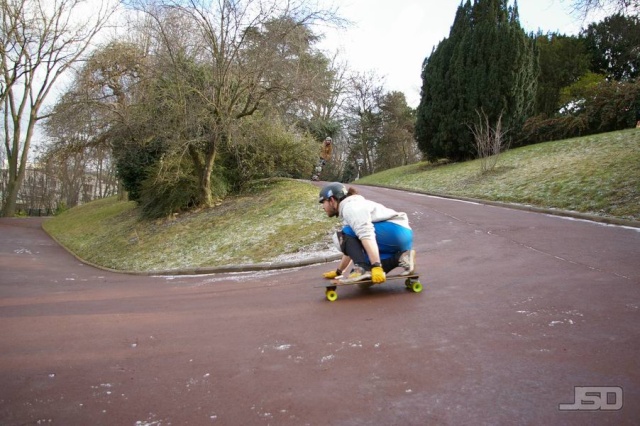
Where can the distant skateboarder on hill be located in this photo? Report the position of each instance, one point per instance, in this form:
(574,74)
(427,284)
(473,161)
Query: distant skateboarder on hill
(325,155)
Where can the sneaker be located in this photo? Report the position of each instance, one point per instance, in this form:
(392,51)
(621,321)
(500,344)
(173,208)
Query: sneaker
(408,262)
(357,274)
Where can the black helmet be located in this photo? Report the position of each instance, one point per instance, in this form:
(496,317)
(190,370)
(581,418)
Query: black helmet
(335,189)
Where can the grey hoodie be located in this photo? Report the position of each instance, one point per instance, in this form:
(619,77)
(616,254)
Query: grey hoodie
(360,214)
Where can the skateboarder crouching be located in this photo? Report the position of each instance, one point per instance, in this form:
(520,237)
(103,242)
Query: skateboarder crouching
(376,238)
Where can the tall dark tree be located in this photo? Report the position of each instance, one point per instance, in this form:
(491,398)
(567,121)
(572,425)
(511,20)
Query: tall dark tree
(435,115)
(614,45)
(488,63)
(396,146)
(563,60)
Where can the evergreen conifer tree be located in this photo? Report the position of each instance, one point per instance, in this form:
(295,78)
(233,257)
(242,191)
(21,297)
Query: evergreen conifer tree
(487,64)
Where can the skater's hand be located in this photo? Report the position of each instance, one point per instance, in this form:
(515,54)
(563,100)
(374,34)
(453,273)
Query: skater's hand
(377,275)
(333,274)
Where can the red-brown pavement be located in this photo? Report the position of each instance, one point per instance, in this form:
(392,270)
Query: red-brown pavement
(518,310)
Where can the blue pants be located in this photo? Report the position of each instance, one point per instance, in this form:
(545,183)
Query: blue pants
(391,238)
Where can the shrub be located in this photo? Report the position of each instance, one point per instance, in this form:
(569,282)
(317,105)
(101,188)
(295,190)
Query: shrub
(172,186)
(134,160)
(265,148)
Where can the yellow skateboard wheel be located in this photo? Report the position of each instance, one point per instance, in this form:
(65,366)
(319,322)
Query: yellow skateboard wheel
(332,295)
(413,285)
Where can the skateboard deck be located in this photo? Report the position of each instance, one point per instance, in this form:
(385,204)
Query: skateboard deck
(411,282)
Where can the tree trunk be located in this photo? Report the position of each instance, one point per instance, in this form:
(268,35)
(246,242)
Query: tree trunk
(17,169)
(205,179)
(9,208)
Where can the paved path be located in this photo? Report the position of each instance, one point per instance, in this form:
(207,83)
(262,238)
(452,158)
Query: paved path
(519,308)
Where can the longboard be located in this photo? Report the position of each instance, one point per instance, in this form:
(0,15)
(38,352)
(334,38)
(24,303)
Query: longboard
(412,283)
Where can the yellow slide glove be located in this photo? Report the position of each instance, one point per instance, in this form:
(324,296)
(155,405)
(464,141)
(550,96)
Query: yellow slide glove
(377,275)
(331,275)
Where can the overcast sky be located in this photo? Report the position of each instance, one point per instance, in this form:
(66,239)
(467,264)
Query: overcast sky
(393,37)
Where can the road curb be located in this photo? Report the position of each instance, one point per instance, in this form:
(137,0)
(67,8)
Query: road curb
(524,207)
(248,267)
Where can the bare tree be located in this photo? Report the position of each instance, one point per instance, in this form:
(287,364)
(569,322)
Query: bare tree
(41,39)
(585,7)
(10,49)
(254,53)
(489,141)
(365,122)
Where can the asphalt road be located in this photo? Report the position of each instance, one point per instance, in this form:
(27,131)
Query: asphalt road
(520,312)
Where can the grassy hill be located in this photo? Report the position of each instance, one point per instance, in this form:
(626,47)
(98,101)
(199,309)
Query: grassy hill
(598,175)
(279,219)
